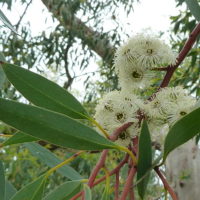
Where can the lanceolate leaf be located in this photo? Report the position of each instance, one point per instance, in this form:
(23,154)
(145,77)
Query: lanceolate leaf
(18,138)
(182,131)
(2,182)
(10,190)
(64,191)
(32,191)
(87,192)
(51,160)
(52,127)
(194,7)
(7,23)
(144,159)
(43,92)
(2,74)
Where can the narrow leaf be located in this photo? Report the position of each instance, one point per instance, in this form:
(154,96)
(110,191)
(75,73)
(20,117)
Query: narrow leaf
(18,138)
(182,131)
(144,159)
(51,160)
(2,182)
(10,190)
(32,191)
(7,23)
(64,191)
(194,7)
(43,92)
(87,192)
(52,127)
(2,74)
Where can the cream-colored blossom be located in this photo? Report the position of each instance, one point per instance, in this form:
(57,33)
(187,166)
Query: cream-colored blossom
(145,51)
(115,109)
(134,78)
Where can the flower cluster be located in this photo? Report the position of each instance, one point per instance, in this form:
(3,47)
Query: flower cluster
(133,63)
(135,59)
(117,108)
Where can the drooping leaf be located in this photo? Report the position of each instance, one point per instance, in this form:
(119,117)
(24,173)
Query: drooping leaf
(32,191)
(2,182)
(182,131)
(194,7)
(87,192)
(7,23)
(64,191)
(10,190)
(144,159)
(51,160)
(2,74)
(52,127)
(18,138)
(43,92)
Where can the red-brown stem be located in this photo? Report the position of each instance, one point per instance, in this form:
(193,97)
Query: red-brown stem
(98,166)
(183,53)
(128,184)
(131,193)
(160,69)
(114,171)
(117,185)
(166,185)
(122,128)
(83,196)
(135,145)
(76,196)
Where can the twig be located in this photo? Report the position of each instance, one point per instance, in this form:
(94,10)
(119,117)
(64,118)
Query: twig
(114,171)
(166,185)
(117,185)
(98,166)
(22,16)
(128,184)
(119,130)
(183,53)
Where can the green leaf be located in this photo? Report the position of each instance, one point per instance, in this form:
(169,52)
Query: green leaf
(32,191)
(10,190)
(43,92)
(144,159)
(18,138)
(2,182)
(64,191)
(2,74)
(87,192)
(51,160)
(7,23)
(194,7)
(52,127)
(182,131)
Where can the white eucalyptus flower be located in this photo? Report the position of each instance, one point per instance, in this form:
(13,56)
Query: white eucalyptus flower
(134,78)
(145,51)
(117,108)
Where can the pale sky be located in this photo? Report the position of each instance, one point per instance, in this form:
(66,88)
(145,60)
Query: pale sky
(148,14)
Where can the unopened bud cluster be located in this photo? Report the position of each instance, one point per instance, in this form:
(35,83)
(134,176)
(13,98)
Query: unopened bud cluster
(133,64)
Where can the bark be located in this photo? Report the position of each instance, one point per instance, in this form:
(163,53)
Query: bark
(183,171)
(98,42)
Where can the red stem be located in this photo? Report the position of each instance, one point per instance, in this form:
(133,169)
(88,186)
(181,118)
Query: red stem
(114,171)
(128,184)
(132,196)
(98,166)
(166,185)
(122,128)
(183,53)
(77,195)
(117,185)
